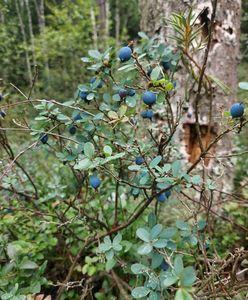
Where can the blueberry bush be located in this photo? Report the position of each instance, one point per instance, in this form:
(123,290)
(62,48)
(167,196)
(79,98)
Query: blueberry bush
(98,201)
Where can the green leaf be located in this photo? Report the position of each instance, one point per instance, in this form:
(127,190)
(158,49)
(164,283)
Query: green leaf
(243,85)
(110,264)
(154,296)
(182,225)
(83,164)
(28,265)
(169,86)
(107,150)
(143,35)
(176,168)
(193,240)
(130,101)
(113,115)
(134,168)
(188,277)
(139,269)
(171,245)
(152,220)
(140,292)
(145,249)
(178,265)
(161,243)
(155,161)
(155,231)
(168,233)
(117,239)
(168,279)
(91,96)
(104,247)
(143,234)
(89,150)
(182,295)
(13,250)
(157,259)
(155,73)
(196,179)
(95,54)
(109,254)
(202,224)
(107,240)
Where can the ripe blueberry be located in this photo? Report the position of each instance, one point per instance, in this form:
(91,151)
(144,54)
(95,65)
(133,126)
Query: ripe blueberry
(161,197)
(166,65)
(139,160)
(100,84)
(122,93)
(168,193)
(149,98)
(72,130)
(131,92)
(237,110)
(164,265)
(77,117)
(95,182)
(2,113)
(83,95)
(125,54)
(147,114)
(44,138)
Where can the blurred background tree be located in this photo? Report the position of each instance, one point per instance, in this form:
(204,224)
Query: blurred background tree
(54,35)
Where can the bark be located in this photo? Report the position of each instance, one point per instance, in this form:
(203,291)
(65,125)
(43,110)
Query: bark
(222,63)
(117,22)
(31,33)
(103,20)
(40,10)
(93,22)
(24,41)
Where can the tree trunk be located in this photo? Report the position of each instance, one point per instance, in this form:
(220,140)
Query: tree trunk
(117,22)
(93,22)
(31,33)
(40,10)
(103,20)
(222,63)
(24,41)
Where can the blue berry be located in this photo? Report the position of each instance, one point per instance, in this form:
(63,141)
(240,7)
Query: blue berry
(164,265)
(149,98)
(168,193)
(77,117)
(95,182)
(125,54)
(164,196)
(148,114)
(100,84)
(166,65)
(83,95)
(122,93)
(131,92)
(161,197)
(2,113)
(237,110)
(1,97)
(139,160)
(44,138)
(72,130)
